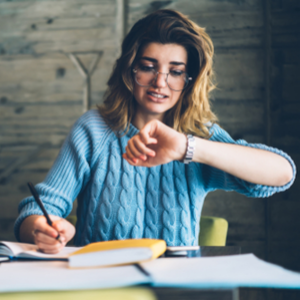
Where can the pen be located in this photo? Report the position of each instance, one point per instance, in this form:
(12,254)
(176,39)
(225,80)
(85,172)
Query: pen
(40,203)
(140,268)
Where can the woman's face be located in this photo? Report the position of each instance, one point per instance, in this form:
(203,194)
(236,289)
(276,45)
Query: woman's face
(156,99)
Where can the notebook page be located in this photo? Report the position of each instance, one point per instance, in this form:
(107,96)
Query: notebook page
(31,251)
(55,275)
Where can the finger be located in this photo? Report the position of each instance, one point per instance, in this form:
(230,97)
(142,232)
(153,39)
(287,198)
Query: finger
(59,225)
(146,138)
(140,163)
(130,161)
(40,237)
(145,150)
(65,228)
(132,145)
(130,156)
(51,249)
(41,225)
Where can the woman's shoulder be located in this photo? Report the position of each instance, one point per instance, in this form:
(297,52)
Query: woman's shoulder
(90,127)
(217,133)
(91,117)
(91,121)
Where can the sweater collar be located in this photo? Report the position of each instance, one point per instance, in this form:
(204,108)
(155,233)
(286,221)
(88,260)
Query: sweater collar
(132,131)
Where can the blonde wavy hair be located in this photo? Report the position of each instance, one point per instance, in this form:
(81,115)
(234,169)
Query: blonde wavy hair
(192,113)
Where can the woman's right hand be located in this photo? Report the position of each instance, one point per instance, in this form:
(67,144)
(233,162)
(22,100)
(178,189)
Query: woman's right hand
(36,229)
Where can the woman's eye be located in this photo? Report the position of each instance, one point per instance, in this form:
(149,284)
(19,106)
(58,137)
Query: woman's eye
(147,68)
(176,73)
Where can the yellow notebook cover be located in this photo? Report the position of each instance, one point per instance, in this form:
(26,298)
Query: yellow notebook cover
(117,252)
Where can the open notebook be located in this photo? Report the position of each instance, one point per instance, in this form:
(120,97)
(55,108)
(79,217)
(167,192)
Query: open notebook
(97,254)
(29,251)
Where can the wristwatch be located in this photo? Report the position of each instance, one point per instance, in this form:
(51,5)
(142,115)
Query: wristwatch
(190,149)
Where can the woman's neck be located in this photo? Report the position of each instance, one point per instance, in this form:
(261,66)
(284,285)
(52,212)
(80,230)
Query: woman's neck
(141,119)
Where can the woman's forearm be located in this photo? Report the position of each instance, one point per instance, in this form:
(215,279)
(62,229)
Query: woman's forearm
(250,164)
(158,144)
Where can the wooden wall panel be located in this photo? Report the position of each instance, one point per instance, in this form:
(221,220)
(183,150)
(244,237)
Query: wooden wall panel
(229,23)
(285,28)
(284,207)
(239,74)
(286,253)
(246,215)
(239,29)
(250,127)
(16,189)
(7,229)
(47,26)
(138,8)
(285,63)
(41,90)
(285,220)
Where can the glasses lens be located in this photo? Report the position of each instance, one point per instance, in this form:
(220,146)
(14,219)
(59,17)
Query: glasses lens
(176,80)
(144,76)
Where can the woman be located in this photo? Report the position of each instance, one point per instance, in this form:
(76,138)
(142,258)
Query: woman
(156,115)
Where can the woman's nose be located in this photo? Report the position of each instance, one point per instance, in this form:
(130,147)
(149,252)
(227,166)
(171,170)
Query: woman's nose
(160,80)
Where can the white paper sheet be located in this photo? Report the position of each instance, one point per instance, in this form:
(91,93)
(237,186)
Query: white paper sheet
(244,270)
(55,275)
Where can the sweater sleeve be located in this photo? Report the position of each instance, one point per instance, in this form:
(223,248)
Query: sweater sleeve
(69,173)
(217,179)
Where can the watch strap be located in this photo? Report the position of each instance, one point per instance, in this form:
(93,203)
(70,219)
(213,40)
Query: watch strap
(190,149)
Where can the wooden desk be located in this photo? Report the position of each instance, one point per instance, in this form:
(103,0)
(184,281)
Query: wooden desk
(220,251)
(195,294)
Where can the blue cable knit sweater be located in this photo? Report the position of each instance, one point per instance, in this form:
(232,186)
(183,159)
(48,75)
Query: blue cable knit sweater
(120,201)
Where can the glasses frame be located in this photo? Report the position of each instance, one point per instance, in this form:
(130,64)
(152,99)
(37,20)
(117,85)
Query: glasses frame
(134,70)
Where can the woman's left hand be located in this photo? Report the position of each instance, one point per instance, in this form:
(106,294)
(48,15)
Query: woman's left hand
(155,144)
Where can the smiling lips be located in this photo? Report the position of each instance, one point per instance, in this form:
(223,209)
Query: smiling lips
(156,95)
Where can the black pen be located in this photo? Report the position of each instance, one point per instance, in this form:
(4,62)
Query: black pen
(40,203)
(140,268)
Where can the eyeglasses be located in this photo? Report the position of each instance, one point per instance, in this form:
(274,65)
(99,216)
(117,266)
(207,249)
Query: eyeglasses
(176,80)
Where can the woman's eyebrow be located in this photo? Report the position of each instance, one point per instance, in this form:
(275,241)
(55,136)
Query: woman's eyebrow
(150,59)
(176,63)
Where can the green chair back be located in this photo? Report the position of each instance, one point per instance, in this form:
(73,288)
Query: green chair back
(213,231)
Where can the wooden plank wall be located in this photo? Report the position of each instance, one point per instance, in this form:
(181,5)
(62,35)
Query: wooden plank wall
(284,244)
(257,69)
(41,90)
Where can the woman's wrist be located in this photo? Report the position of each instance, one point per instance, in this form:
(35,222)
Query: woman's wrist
(26,228)
(182,147)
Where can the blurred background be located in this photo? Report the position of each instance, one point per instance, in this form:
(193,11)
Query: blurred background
(56,57)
